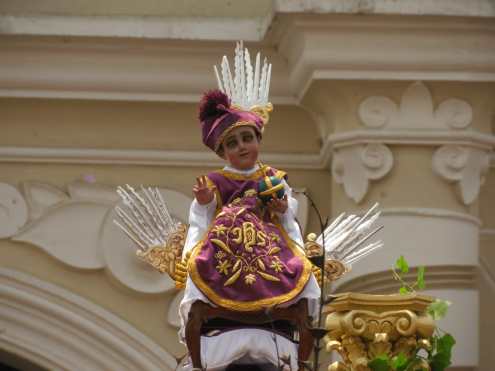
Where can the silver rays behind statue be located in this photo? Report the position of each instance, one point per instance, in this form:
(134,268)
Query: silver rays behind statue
(346,241)
(145,219)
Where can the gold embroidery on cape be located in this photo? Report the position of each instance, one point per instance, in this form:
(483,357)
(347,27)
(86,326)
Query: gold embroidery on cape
(249,236)
(261,238)
(219,229)
(241,266)
(223,267)
(250,279)
(245,260)
(237,233)
(250,192)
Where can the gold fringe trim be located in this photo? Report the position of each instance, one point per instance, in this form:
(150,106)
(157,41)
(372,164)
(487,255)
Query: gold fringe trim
(230,128)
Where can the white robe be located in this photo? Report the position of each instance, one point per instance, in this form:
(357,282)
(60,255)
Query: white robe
(200,217)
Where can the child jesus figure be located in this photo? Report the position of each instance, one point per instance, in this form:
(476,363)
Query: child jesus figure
(244,251)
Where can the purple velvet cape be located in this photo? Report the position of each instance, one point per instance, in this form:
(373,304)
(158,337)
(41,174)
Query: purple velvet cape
(246,261)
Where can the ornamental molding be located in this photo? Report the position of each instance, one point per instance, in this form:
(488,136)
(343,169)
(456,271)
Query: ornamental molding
(465,167)
(36,316)
(303,48)
(438,277)
(14,211)
(153,157)
(135,69)
(430,213)
(228,23)
(76,228)
(463,157)
(434,213)
(486,273)
(379,47)
(355,166)
(488,232)
(414,138)
(316,161)
(416,111)
(148,27)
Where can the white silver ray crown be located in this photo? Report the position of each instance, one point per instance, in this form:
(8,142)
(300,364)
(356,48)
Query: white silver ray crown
(248,87)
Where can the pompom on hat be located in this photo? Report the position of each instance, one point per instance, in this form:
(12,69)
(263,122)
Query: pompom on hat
(241,100)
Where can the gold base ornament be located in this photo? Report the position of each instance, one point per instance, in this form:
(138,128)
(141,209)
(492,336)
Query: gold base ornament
(362,327)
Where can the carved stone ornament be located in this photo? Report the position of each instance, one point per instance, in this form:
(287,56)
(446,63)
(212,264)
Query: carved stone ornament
(462,156)
(13,210)
(415,111)
(355,166)
(465,166)
(76,228)
(362,326)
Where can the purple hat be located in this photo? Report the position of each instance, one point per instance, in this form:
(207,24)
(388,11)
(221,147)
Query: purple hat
(218,118)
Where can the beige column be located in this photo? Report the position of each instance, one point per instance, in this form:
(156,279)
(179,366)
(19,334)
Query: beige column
(486,281)
(422,150)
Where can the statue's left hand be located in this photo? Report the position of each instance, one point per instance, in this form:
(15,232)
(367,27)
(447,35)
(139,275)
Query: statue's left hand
(278,205)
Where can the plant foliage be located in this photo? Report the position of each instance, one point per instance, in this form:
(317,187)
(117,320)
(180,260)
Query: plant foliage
(438,358)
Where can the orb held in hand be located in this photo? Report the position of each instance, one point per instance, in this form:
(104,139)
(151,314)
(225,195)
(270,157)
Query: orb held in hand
(270,187)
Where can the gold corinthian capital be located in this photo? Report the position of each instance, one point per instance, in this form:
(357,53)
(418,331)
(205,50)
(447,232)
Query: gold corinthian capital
(362,326)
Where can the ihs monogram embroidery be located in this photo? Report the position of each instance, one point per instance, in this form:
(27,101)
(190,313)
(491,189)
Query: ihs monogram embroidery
(244,250)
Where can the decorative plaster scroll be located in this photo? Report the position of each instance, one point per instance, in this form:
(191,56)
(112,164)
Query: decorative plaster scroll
(77,229)
(13,210)
(69,232)
(40,197)
(416,111)
(465,166)
(96,192)
(354,166)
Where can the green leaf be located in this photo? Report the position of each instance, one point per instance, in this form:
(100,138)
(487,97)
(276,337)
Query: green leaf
(442,358)
(400,362)
(403,290)
(438,309)
(420,281)
(445,344)
(380,363)
(402,265)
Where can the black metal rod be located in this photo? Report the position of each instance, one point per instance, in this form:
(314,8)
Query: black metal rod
(323,226)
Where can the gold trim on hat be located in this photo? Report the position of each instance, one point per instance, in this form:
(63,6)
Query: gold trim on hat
(263,112)
(230,128)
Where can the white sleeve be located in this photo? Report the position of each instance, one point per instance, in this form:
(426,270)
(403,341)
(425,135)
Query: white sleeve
(288,219)
(200,217)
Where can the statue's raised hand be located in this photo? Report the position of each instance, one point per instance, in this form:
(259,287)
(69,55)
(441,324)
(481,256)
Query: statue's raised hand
(204,195)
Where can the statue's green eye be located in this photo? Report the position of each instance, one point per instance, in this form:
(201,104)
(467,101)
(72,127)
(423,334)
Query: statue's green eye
(231,144)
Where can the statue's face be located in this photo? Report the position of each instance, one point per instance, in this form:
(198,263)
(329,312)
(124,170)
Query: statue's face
(240,148)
